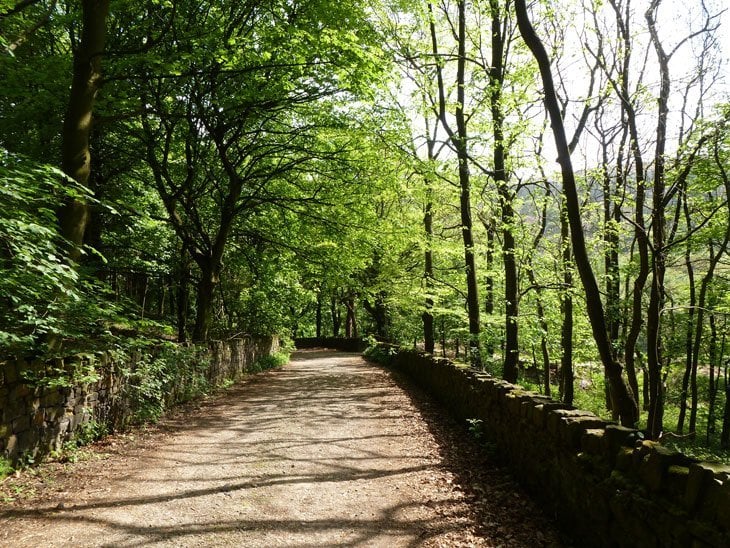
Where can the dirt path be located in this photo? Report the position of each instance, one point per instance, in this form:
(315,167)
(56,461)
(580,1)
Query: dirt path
(329,451)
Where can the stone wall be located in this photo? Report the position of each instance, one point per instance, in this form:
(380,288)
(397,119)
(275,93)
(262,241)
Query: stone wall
(602,481)
(38,417)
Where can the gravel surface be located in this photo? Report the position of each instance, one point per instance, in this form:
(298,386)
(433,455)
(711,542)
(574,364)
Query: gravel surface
(328,451)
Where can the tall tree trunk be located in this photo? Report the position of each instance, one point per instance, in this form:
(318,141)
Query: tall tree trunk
(489,285)
(656,296)
(427,317)
(506,197)
(622,397)
(628,117)
(567,376)
(689,332)
(465,196)
(542,320)
(460,143)
(75,155)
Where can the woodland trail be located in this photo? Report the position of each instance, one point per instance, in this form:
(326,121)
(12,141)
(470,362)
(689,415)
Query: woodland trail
(328,451)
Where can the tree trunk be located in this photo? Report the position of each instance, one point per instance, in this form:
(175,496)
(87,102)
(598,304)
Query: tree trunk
(336,318)
(351,319)
(506,196)
(489,285)
(75,155)
(567,376)
(689,332)
(712,386)
(318,318)
(622,397)
(459,141)
(427,316)
(209,278)
(725,435)
(658,263)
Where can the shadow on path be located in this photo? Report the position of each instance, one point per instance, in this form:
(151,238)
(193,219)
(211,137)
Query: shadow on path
(328,451)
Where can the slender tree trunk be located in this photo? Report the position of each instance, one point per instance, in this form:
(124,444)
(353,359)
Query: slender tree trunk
(712,389)
(689,334)
(75,155)
(465,196)
(489,285)
(725,435)
(336,318)
(506,197)
(656,295)
(459,139)
(628,116)
(427,316)
(318,315)
(622,397)
(567,376)
(351,319)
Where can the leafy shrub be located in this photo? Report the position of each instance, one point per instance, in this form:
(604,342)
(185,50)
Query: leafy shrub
(380,353)
(164,374)
(270,362)
(5,468)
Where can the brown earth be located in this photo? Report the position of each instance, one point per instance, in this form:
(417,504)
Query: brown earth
(328,451)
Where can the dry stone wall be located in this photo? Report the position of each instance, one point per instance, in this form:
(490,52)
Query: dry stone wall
(38,417)
(602,481)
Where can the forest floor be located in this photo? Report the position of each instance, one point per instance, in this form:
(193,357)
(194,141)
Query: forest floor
(328,451)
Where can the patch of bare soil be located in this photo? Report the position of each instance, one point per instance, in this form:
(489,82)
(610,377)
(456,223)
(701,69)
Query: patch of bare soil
(328,451)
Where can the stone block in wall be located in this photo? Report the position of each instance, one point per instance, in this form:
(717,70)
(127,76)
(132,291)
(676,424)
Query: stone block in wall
(675,483)
(542,411)
(11,446)
(50,397)
(21,424)
(11,372)
(52,414)
(654,464)
(572,427)
(651,462)
(701,477)
(593,441)
(28,440)
(38,418)
(618,436)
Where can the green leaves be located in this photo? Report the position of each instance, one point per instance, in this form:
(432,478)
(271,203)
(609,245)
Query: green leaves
(33,274)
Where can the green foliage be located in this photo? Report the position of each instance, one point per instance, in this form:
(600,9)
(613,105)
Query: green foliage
(379,352)
(163,374)
(476,428)
(274,361)
(35,281)
(6,468)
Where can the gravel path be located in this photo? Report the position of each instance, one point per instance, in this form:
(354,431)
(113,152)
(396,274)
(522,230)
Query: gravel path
(328,451)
